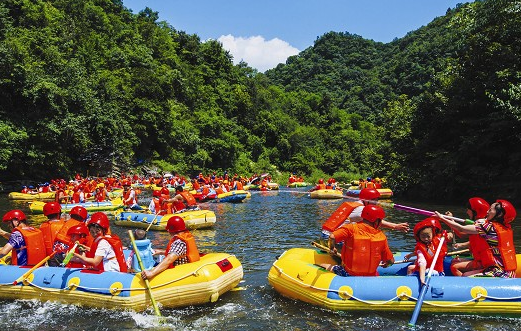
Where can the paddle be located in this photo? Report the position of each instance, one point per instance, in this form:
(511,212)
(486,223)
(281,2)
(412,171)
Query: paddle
(326,249)
(424,288)
(152,222)
(147,283)
(30,271)
(406,208)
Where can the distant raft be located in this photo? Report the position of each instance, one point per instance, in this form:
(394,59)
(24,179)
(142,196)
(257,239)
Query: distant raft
(298,184)
(232,196)
(32,196)
(326,194)
(194,219)
(189,284)
(296,274)
(36,207)
(385,193)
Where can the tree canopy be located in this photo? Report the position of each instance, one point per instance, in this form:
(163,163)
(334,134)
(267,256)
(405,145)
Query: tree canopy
(88,85)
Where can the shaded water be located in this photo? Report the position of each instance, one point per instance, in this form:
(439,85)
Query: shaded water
(256,231)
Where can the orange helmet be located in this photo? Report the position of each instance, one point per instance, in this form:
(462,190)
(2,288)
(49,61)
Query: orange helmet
(79,211)
(479,207)
(79,230)
(100,219)
(373,213)
(369,194)
(175,224)
(51,208)
(15,214)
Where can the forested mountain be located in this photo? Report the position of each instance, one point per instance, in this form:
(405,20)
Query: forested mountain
(87,85)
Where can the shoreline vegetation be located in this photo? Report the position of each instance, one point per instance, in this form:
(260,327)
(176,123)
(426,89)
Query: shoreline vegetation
(89,87)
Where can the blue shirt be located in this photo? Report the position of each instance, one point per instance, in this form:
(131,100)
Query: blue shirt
(17,241)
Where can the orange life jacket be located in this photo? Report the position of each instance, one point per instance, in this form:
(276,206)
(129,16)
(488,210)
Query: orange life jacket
(62,236)
(340,215)
(191,248)
(505,248)
(362,252)
(34,244)
(430,251)
(117,246)
(189,198)
(49,230)
(321,186)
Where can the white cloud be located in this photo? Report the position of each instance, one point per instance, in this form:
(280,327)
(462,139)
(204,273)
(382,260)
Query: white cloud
(259,53)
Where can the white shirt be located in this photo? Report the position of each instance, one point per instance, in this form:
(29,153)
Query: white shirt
(105,250)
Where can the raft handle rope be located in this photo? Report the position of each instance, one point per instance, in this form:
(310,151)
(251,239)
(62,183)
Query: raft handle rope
(118,290)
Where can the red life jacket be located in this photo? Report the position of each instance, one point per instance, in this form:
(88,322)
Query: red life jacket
(340,215)
(429,252)
(191,248)
(505,247)
(34,244)
(116,244)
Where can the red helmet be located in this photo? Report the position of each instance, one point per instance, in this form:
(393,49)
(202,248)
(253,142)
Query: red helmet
(321,181)
(373,213)
(79,230)
(165,190)
(14,214)
(51,208)
(435,222)
(479,207)
(426,223)
(100,219)
(156,193)
(369,194)
(175,224)
(509,211)
(80,212)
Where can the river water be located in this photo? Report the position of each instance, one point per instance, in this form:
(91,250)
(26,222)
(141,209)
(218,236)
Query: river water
(256,231)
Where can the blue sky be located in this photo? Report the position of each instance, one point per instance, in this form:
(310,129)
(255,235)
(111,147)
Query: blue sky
(264,33)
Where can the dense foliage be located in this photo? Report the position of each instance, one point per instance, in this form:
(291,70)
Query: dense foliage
(87,85)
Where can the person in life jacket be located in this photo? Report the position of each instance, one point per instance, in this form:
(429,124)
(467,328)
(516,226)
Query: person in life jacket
(320,186)
(77,234)
(428,235)
(62,242)
(155,204)
(25,243)
(180,249)
(351,212)
(498,257)
(130,196)
(365,245)
(183,200)
(477,209)
(50,228)
(146,252)
(106,252)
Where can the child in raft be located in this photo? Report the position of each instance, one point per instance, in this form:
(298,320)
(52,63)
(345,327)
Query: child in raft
(427,234)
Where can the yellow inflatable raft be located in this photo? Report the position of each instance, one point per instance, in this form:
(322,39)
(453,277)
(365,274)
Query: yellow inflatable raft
(189,284)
